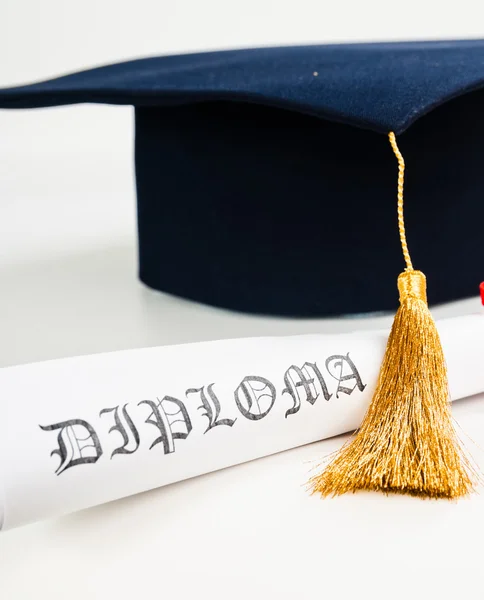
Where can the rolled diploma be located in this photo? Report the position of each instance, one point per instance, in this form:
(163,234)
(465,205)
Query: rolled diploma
(82,431)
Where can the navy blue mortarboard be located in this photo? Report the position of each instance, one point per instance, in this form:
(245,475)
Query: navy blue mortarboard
(264,181)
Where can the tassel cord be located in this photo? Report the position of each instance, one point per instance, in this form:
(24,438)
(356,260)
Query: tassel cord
(401,220)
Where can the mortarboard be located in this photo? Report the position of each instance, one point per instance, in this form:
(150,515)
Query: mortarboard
(264,183)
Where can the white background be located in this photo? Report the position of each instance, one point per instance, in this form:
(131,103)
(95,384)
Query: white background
(68,286)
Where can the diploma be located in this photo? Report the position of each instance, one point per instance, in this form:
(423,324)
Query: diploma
(82,431)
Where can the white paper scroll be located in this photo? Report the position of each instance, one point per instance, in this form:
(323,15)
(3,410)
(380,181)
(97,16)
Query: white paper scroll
(82,431)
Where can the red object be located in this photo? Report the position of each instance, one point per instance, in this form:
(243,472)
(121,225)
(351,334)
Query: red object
(481,288)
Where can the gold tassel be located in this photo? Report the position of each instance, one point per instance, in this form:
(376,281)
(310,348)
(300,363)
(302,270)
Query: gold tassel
(407,443)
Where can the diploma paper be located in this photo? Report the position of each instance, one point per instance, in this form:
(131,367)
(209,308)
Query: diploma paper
(82,431)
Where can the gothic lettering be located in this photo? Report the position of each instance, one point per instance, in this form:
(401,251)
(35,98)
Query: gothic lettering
(125,429)
(211,406)
(255,397)
(342,368)
(170,417)
(78,443)
(306,383)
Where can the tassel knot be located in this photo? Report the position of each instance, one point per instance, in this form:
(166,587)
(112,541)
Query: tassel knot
(412,284)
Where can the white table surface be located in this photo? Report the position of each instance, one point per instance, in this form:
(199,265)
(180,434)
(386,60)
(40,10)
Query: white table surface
(68,286)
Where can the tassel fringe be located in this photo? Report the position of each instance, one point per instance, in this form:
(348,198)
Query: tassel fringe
(407,443)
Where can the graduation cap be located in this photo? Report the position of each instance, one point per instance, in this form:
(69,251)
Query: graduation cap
(265,183)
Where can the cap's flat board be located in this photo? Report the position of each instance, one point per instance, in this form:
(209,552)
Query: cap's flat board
(383,87)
